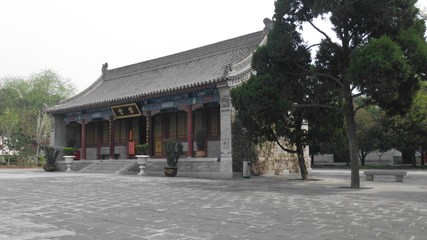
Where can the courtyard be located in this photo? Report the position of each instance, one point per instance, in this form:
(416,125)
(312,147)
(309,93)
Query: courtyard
(62,206)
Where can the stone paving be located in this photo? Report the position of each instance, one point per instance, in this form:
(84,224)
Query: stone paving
(37,205)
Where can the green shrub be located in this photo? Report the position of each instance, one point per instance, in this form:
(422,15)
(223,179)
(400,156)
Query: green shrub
(67,151)
(41,161)
(174,150)
(50,155)
(201,136)
(12,159)
(141,149)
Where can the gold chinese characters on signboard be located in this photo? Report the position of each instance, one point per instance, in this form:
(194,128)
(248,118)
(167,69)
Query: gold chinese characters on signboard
(126,111)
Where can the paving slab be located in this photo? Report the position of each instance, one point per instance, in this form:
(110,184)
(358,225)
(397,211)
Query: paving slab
(37,205)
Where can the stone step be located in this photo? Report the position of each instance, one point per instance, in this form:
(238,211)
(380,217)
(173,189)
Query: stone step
(109,166)
(106,167)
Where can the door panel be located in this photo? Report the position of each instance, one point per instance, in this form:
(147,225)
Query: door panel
(158,136)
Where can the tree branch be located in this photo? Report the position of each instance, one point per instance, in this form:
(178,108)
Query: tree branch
(337,80)
(359,94)
(314,45)
(359,107)
(283,148)
(318,105)
(280,145)
(318,29)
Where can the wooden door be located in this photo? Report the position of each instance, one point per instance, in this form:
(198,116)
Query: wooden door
(158,135)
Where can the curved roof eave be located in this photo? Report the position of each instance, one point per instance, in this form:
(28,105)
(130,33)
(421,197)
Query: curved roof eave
(137,97)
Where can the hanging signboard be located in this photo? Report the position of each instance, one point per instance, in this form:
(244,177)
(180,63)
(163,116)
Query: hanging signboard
(126,111)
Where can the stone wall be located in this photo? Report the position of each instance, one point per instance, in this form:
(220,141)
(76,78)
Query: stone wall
(122,151)
(265,158)
(73,135)
(273,160)
(214,149)
(187,167)
(91,153)
(58,134)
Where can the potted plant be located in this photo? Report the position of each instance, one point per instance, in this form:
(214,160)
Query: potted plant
(50,154)
(174,150)
(141,151)
(71,151)
(69,155)
(68,150)
(201,137)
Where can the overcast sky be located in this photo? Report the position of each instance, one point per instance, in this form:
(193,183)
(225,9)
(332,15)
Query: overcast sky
(75,37)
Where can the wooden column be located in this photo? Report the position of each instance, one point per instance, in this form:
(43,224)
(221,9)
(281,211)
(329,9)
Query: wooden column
(190,131)
(112,139)
(83,140)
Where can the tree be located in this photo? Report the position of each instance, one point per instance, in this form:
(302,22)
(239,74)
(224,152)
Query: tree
(265,105)
(371,130)
(243,148)
(327,133)
(28,98)
(411,130)
(378,51)
(275,104)
(9,121)
(418,114)
(266,116)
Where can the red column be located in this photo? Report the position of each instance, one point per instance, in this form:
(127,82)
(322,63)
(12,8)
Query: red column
(83,141)
(190,131)
(112,139)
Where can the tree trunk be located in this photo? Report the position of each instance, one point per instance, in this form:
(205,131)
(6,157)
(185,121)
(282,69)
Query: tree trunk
(362,156)
(408,156)
(301,162)
(414,160)
(422,156)
(312,159)
(351,135)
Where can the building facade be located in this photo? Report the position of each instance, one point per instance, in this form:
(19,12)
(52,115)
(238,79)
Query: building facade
(171,97)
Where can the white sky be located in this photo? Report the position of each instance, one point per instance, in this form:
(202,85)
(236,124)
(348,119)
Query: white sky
(75,37)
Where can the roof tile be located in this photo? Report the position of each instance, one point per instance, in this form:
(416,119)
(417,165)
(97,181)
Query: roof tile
(196,67)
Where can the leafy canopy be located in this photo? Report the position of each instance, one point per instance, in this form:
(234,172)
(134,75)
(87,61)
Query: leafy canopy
(22,105)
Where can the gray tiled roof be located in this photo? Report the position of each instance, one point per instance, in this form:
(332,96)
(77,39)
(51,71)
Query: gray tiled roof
(197,67)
